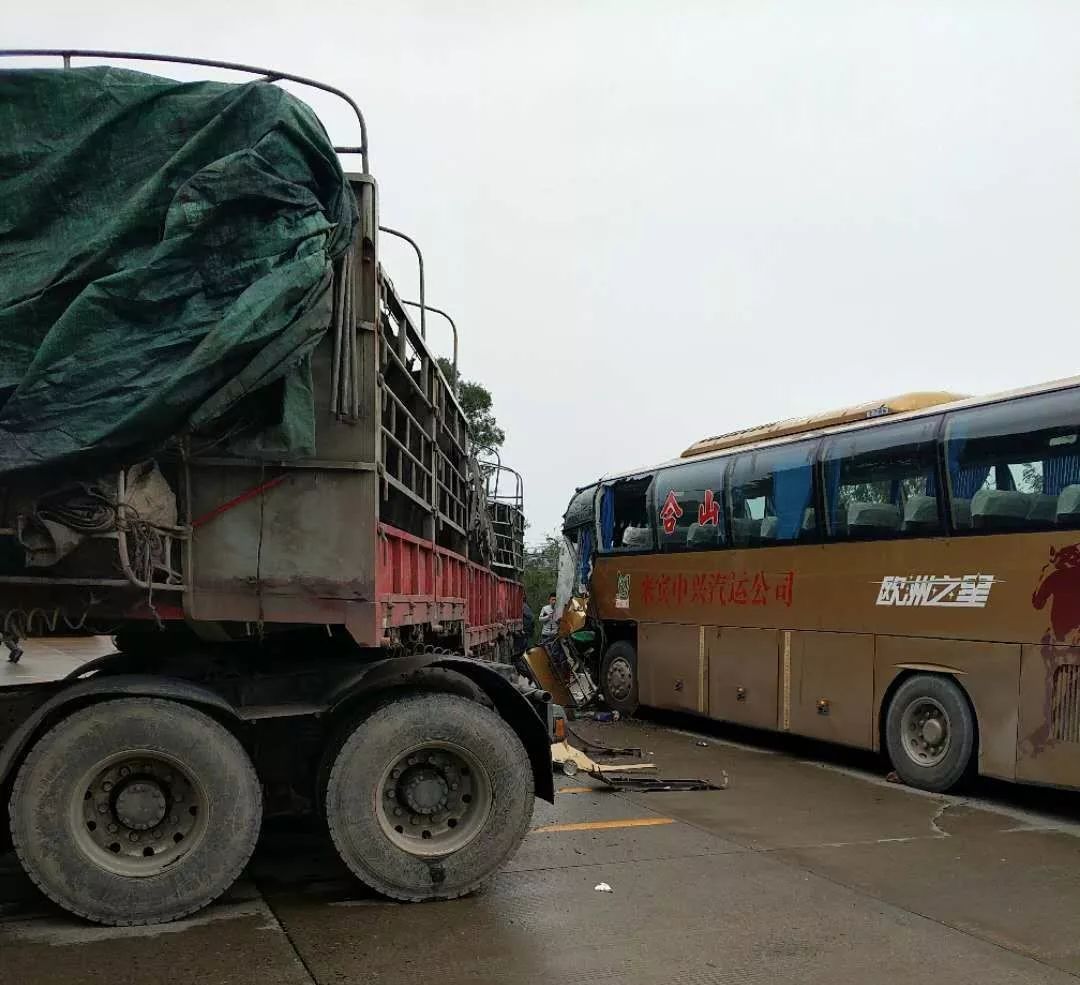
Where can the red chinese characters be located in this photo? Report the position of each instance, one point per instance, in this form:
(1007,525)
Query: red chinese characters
(724,588)
(670,513)
(709,511)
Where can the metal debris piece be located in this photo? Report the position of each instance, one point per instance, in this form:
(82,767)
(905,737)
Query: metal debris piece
(598,749)
(571,760)
(656,784)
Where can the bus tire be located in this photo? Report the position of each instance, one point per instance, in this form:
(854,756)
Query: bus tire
(930,732)
(135,811)
(619,677)
(428,796)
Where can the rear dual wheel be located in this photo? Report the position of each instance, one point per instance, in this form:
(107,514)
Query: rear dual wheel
(135,811)
(428,796)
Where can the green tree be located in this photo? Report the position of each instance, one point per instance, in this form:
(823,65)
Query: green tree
(541,570)
(475,399)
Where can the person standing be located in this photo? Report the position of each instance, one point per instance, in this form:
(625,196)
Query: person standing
(549,620)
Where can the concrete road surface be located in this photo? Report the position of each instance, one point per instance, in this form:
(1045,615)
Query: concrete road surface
(805,870)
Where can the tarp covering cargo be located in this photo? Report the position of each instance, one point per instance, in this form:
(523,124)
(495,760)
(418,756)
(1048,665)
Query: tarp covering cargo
(166,252)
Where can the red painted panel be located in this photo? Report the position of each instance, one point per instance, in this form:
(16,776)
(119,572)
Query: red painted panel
(413,574)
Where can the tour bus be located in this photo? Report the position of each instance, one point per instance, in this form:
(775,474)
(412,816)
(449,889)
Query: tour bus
(901,575)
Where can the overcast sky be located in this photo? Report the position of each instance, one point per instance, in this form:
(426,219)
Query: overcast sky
(657,221)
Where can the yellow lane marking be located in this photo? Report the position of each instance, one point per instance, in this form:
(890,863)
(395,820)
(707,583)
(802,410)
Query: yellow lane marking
(577,789)
(630,822)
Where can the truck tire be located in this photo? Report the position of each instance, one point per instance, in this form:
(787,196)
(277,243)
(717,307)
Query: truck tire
(930,732)
(619,678)
(135,811)
(428,796)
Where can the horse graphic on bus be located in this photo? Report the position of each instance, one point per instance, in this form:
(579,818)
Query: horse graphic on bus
(1059,586)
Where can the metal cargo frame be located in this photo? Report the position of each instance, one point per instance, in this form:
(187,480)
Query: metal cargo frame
(374,532)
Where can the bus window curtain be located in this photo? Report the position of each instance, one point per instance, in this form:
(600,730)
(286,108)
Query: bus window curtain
(791,491)
(584,558)
(607,519)
(968,480)
(964,480)
(832,492)
(1059,473)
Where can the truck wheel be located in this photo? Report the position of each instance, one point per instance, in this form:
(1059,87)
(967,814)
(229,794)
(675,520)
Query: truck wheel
(618,678)
(930,732)
(135,811)
(428,796)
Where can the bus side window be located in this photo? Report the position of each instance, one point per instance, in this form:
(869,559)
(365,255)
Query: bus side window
(1016,465)
(689,506)
(624,515)
(771,496)
(881,482)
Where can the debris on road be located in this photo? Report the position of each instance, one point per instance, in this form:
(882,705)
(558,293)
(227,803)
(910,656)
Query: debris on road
(572,760)
(656,784)
(600,750)
(603,887)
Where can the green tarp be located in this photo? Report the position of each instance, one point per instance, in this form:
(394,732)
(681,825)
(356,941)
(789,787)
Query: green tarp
(165,260)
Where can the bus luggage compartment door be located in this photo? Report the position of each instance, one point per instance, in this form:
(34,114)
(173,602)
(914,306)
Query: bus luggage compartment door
(829,686)
(671,667)
(743,675)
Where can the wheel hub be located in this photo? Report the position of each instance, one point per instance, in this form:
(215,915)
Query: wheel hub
(933,731)
(620,679)
(925,731)
(425,790)
(434,799)
(137,814)
(141,805)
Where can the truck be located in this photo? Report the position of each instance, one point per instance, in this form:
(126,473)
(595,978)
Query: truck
(226,442)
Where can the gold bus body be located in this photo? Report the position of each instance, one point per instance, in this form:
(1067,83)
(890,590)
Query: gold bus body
(810,638)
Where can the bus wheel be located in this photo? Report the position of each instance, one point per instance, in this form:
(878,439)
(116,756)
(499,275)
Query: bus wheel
(930,732)
(135,811)
(429,796)
(618,677)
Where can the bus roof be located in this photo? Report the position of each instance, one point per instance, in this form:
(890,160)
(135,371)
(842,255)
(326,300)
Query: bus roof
(907,406)
(816,422)
(920,403)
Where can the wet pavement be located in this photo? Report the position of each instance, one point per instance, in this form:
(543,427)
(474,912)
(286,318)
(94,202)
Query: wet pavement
(809,868)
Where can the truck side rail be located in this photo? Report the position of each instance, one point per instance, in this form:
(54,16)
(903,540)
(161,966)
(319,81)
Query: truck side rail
(266,74)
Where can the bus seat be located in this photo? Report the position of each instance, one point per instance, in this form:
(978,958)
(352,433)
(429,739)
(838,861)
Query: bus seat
(872,519)
(961,514)
(1068,506)
(920,514)
(999,509)
(1043,509)
(744,530)
(637,538)
(702,535)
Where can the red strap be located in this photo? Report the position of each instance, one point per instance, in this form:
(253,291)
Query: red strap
(242,498)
